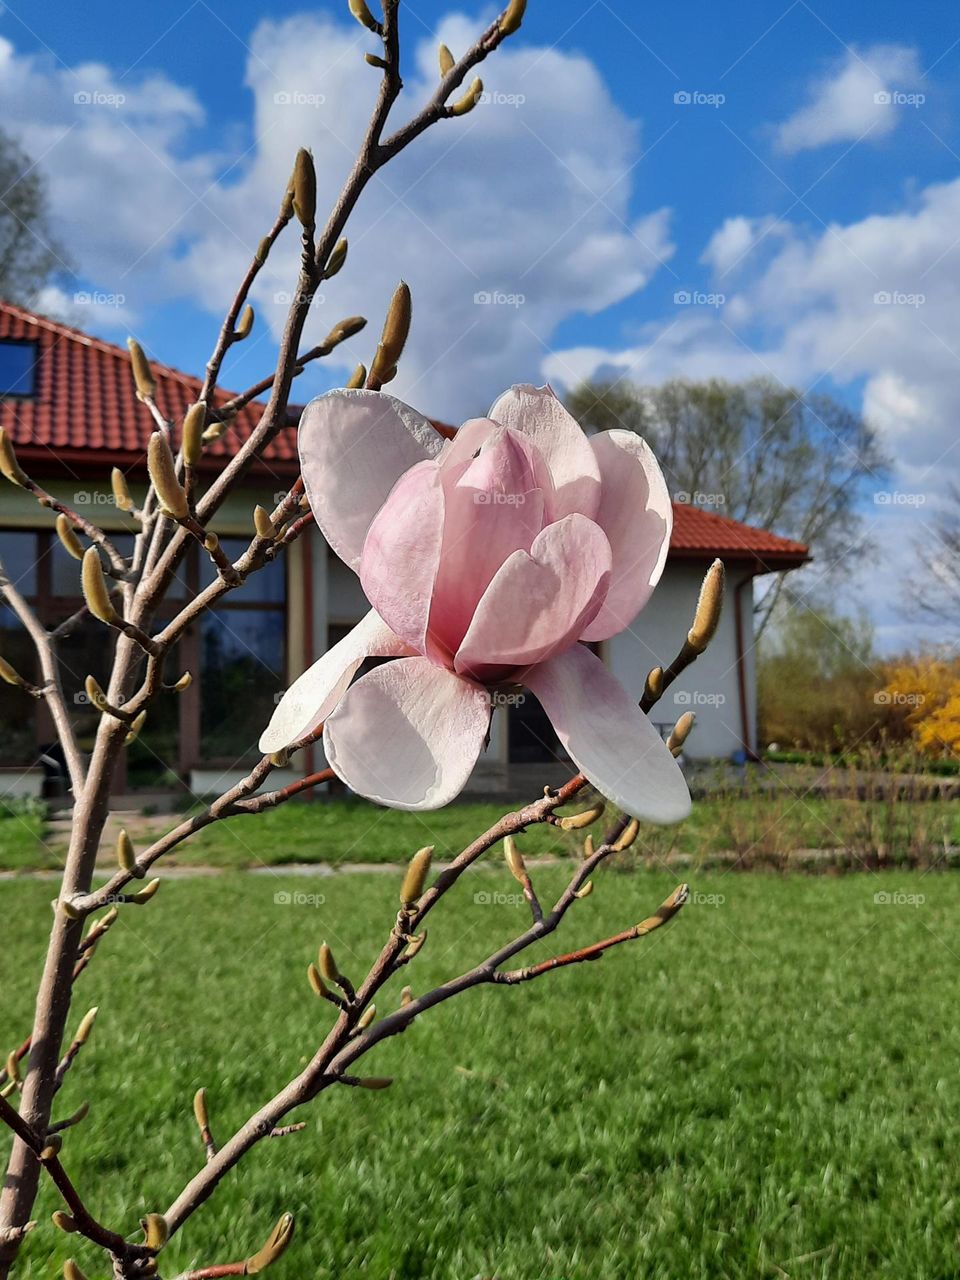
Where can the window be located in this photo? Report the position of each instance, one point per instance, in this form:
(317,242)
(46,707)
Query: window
(18,365)
(242,660)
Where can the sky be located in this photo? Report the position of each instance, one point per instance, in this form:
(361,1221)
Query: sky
(709,189)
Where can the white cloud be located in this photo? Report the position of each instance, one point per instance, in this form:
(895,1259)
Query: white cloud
(861,94)
(521,201)
(870,306)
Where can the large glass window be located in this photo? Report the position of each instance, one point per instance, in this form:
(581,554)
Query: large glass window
(242,660)
(18,366)
(18,738)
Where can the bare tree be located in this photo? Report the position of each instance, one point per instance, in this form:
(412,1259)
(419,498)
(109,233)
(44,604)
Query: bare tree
(124,594)
(29,253)
(755,451)
(936,589)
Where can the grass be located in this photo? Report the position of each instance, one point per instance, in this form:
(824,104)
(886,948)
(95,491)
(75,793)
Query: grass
(21,837)
(768,1087)
(345,830)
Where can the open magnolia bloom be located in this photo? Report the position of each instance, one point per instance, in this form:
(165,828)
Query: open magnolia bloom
(487,559)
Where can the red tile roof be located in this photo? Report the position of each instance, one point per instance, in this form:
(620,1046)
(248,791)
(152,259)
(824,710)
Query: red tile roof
(85,401)
(698,533)
(85,413)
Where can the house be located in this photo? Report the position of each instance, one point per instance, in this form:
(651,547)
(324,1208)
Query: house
(67,401)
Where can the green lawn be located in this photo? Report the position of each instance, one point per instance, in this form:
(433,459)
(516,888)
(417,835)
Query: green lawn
(769,1087)
(21,843)
(757,828)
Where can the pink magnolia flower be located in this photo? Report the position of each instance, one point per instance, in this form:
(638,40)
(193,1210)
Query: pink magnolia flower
(488,560)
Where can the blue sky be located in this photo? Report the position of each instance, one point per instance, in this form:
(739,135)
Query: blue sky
(806,198)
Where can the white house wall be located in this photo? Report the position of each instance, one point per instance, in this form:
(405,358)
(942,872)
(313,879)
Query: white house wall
(709,687)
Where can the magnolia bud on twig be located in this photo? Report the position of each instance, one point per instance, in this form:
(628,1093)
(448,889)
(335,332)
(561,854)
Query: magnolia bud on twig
(681,731)
(245,325)
(366,1017)
(8,461)
(95,693)
(336,260)
(584,891)
(71,1271)
(94,586)
(86,1025)
(363,15)
(146,893)
(708,609)
(446,60)
(469,99)
(155,1230)
(65,532)
(64,1222)
(357,378)
(653,685)
(626,839)
(163,474)
(396,328)
(200,1109)
(317,983)
(406,997)
(125,854)
(305,188)
(121,494)
(262,523)
(193,426)
(184,683)
(328,966)
(513,859)
(375,1082)
(413,881)
(277,1241)
(584,819)
(11,675)
(136,725)
(142,373)
(513,16)
(415,944)
(214,431)
(588,850)
(374,60)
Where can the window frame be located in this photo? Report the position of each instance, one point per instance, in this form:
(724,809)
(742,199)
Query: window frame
(33,369)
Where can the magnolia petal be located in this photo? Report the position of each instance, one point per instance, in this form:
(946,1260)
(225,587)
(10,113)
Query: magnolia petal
(608,736)
(637,516)
(401,553)
(538,603)
(354,447)
(537,413)
(315,693)
(408,734)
